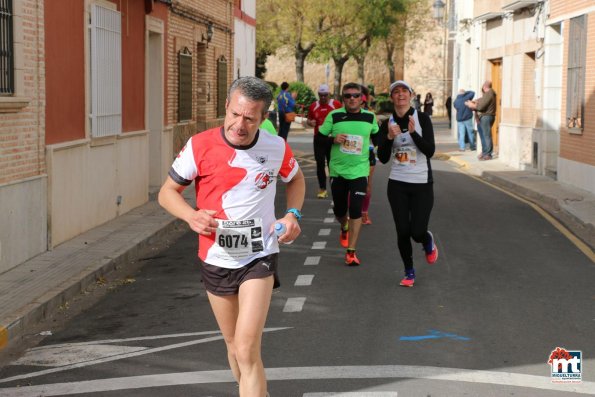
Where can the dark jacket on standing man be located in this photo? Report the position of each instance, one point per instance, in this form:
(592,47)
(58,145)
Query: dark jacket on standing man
(463,112)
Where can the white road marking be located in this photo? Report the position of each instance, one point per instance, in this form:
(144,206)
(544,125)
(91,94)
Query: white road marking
(330,211)
(69,355)
(356,394)
(134,339)
(319,245)
(121,356)
(329,220)
(312,261)
(294,305)
(305,373)
(324,232)
(304,280)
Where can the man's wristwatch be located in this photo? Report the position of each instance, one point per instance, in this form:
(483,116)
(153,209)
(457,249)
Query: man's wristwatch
(295,212)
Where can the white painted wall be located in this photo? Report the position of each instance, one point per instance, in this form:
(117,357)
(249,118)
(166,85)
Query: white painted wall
(99,171)
(249,7)
(244,63)
(23,221)
(244,49)
(577,174)
(548,138)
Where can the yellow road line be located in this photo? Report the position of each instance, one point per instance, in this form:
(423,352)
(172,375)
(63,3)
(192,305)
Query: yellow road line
(584,248)
(3,337)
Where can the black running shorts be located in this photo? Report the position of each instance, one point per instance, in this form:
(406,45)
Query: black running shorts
(221,281)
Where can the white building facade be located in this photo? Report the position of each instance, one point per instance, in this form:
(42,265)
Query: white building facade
(537,55)
(244,38)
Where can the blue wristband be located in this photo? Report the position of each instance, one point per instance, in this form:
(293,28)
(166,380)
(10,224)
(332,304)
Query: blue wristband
(295,212)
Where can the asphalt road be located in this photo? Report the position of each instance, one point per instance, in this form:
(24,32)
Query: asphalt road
(508,288)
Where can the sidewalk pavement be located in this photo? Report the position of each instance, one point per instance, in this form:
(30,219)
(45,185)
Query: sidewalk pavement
(573,207)
(36,289)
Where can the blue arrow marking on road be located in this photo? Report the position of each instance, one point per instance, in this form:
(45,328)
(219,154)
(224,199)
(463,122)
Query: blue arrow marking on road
(433,334)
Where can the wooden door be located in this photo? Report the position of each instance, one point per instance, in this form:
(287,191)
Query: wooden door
(496,77)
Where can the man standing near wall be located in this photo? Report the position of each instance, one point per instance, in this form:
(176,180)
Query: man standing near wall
(486,109)
(464,119)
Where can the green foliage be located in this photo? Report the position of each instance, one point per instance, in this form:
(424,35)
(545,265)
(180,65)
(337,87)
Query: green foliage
(305,95)
(383,103)
(261,60)
(273,86)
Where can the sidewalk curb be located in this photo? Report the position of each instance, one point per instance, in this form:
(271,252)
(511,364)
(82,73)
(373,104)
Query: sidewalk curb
(20,322)
(556,207)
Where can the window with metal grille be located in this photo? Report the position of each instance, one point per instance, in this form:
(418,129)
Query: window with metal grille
(575,90)
(6,49)
(221,86)
(106,72)
(185,85)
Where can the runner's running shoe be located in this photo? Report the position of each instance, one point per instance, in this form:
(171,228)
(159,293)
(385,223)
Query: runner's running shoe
(409,279)
(351,258)
(344,237)
(431,250)
(322,194)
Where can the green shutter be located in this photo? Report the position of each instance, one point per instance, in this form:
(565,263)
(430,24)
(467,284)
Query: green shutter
(221,85)
(185,85)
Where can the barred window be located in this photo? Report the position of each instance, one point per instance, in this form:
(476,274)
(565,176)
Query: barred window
(185,85)
(575,94)
(6,49)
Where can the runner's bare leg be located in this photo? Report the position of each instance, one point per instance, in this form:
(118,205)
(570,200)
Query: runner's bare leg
(243,332)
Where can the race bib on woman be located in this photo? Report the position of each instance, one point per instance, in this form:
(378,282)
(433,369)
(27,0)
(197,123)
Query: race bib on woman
(405,156)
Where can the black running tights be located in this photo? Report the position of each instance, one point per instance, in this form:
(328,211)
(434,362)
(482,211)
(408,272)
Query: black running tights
(411,204)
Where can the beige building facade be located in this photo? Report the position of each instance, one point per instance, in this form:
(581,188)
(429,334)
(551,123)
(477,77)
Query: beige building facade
(97,102)
(23,176)
(537,55)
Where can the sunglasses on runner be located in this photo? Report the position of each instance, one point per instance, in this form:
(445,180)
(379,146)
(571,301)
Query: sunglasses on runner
(348,96)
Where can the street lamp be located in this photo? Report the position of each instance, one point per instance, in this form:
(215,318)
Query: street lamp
(438,10)
(209,35)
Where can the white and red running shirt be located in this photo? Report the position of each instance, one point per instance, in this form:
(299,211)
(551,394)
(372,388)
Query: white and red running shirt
(239,183)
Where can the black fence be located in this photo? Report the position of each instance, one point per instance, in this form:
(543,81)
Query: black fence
(6,49)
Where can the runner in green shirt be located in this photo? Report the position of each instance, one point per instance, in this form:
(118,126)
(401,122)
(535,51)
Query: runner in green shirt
(268,126)
(351,128)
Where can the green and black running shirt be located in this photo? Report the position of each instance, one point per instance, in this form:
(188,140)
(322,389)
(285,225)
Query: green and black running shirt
(350,160)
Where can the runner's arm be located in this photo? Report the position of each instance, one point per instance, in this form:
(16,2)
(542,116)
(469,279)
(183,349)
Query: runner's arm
(295,192)
(385,145)
(170,197)
(425,142)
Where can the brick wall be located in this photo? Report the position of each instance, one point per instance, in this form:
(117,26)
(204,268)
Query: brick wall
(579,147)
(559,8)
(22,131)
(186,26)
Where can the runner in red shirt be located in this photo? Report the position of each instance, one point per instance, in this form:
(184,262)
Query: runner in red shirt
(235,169)
(322,144)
